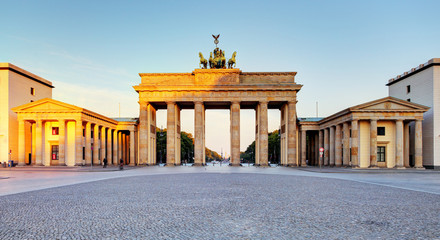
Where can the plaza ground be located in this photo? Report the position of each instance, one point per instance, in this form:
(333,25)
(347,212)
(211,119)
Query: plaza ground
(218,203)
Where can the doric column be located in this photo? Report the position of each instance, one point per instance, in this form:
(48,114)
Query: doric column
(399,143)
(143,132)
(96,145)
(321,145)
(354,143)
(88,143)
(39,143)
(119,146)
(198,134)
(406,145)
(132,149)
(346,145)
(235,134)
(78,142)
(418,145)
(21,142)
(115,148)
(373,143)
(303,148)
(108,154)
(291,134)
(332,147)
(103,133)
(263,135)
(326,147)
(61,142)
(316,149)
(338,146)
(171,133)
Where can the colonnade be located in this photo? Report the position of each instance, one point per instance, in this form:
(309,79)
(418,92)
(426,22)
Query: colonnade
(79,142)
(355,143)
(146,138)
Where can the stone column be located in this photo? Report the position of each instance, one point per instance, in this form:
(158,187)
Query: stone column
(88,143)
(332,147)
(406,146)
(21,142)
(103,132)
(96,145)
(303,148)
(132,148)
(354,143)
(326,147)
(373,143)
(338,146)
(346,147)
(263,135)
(119,146)
(235,134)
(108,154)
(198,133)
(399,144)
(78,142)
(171,133)
(39,143)
(320,145)
(61,142)
(143,132)
(115,148)
(418,145)
(317,149)
(291,134)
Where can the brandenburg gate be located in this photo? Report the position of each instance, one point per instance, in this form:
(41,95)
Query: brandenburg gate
(217,89)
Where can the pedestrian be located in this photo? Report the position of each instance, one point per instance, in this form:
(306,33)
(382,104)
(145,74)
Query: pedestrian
(121,165)
(105,162)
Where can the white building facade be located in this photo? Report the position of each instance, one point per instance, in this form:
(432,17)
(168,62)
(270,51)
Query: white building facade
(17,87)
(422,85)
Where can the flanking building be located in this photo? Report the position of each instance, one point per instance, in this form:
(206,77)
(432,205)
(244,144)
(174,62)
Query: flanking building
(422,85)
(17,87)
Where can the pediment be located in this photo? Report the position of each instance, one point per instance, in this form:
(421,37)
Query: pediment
(46,105)
(389,104)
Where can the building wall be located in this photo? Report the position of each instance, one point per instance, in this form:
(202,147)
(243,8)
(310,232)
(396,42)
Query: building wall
(19,94)
(4,119)
(422,92)
(436,118)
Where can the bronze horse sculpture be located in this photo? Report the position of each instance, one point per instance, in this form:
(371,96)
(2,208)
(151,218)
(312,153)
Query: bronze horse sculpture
(203,62)
(231,61)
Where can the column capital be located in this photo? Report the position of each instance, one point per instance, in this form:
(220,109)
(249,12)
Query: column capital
(235,102)
(198,102)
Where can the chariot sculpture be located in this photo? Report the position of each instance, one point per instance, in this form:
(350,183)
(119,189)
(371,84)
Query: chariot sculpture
(217,59)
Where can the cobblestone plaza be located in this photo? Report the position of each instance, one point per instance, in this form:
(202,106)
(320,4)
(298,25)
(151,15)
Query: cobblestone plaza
(220,203)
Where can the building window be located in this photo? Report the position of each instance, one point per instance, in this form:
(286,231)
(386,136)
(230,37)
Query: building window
(84,132)
(54,152)
(32,91)
(84,153)
(409,99)
(408,89)
(32,100)
(380,154)
(380,131)
(55,130)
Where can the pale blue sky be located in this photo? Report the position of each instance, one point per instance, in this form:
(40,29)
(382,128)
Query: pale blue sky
(344,51)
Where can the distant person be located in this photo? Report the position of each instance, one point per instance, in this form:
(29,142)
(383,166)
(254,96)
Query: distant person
(121,164)
(105,162)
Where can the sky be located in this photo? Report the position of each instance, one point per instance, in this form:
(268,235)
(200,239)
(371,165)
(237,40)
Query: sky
(344,51)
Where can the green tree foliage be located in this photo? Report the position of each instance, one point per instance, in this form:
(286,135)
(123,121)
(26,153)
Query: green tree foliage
(273,150)
(187,148)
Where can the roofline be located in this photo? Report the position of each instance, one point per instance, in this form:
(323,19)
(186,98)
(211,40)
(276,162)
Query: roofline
(421,67)
(20,71)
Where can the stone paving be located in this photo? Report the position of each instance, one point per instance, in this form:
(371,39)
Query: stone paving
(219,205)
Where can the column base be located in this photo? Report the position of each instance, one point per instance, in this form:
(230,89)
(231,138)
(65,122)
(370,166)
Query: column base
(373,167)
(21,164)
(400,167)
(419,168)
(235,164)
(198,165)
(262,165)
(170,165)
(292,165)
(62,164)
(338,165)
(303,166)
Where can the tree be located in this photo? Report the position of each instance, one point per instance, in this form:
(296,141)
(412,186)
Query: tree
(274,146)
